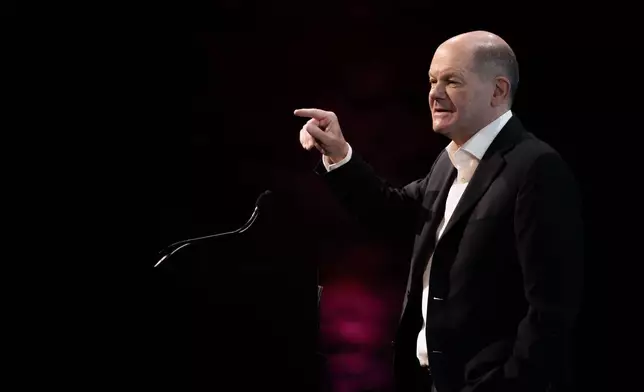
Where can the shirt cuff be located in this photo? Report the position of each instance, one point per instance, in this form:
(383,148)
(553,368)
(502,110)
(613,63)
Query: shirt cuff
(332,166)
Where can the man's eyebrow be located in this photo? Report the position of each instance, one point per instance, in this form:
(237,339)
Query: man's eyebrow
(449,74)
(454,74)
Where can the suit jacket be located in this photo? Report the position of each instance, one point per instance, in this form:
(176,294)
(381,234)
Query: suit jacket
(506,277)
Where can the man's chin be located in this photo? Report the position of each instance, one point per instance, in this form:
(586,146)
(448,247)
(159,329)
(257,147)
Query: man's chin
(441,130)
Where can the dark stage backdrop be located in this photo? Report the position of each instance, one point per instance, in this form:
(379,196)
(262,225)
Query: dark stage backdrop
(244,310)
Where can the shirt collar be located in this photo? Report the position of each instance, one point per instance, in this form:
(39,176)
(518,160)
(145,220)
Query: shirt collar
(478,144)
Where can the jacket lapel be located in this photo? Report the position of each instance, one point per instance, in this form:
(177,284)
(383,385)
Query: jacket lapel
(444,184)
(489,167)
(439,186)
(483,177)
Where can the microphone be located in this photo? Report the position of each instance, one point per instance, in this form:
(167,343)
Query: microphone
(173,248)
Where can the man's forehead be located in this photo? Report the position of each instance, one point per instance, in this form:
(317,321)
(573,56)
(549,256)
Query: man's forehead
(451,59)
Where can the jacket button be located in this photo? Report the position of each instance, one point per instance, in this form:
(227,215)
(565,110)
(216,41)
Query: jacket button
(393,343)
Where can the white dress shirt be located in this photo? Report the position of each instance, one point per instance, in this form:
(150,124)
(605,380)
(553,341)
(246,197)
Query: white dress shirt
(465,159)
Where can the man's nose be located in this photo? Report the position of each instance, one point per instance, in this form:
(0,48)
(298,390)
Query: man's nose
(437,91)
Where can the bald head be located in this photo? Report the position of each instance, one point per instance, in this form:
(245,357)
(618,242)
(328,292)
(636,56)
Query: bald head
(491,56)
(473,79)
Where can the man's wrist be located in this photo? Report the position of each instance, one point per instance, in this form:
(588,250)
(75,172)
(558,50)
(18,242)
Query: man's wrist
(334,165)
(336,159)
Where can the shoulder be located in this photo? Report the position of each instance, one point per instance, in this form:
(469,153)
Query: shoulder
(530,148)
(537,163)
(521,145)
(531,152)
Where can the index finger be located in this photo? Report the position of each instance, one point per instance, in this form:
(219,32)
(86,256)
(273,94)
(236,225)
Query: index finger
(313,113)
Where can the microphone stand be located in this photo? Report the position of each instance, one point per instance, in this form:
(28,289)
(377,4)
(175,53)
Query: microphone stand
(173,248)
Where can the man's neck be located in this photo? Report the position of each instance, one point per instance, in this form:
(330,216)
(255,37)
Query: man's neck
(462,137)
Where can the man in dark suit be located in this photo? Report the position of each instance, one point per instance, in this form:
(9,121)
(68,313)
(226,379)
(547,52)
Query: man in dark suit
(495,281)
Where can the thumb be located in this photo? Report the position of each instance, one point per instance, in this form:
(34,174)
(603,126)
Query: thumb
(316,132)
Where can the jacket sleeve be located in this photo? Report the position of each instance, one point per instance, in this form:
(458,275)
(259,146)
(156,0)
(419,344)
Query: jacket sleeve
(379,206)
